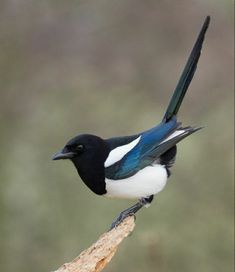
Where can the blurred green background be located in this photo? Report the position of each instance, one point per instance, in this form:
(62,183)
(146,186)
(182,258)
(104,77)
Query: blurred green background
(109,68)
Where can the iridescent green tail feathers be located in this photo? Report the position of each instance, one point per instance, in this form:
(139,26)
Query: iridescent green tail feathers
(186,75)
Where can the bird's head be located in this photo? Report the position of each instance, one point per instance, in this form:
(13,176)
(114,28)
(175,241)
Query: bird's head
(88,154)
(86,151)
(79,147)
(73,148)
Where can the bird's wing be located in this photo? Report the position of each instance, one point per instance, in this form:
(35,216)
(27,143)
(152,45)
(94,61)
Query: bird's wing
(146,149)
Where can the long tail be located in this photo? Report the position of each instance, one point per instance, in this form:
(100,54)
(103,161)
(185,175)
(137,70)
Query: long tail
(187,74)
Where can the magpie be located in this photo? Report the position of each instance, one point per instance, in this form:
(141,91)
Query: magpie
(136,166)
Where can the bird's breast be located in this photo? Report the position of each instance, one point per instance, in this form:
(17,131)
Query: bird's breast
(148,181)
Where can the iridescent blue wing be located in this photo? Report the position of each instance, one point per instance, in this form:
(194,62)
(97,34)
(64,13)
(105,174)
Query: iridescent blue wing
(150,146)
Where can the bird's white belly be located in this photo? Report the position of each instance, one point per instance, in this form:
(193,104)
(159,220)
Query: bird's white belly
(148,181)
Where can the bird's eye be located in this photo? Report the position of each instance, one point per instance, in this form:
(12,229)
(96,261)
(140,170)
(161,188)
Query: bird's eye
(79,148)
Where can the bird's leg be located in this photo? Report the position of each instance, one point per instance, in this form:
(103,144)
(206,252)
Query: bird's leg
(145,201)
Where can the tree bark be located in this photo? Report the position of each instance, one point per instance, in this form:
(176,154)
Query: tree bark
(98,255)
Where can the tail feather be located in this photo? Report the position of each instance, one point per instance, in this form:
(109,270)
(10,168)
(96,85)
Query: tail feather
(187,74)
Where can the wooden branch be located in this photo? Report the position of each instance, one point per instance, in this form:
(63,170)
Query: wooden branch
(97,256)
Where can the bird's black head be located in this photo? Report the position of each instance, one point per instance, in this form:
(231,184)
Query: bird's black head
(88,154)
(74,148)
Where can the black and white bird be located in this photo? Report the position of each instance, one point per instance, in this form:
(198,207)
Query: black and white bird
(137,166)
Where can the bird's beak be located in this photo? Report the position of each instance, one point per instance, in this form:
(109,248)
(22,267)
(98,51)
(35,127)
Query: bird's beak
(61,155)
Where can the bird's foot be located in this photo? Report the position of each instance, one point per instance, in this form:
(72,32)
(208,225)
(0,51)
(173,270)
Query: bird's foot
(123,215)
(128,212)
(145,201)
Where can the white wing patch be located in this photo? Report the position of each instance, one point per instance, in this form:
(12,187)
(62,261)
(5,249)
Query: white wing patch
(173,135)
(119,152)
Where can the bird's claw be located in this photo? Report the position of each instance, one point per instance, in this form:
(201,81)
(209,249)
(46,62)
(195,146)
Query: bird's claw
(120,218)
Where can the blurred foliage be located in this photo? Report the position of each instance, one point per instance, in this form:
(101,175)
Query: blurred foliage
(109,68)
